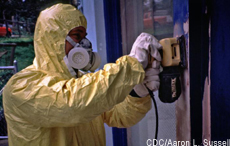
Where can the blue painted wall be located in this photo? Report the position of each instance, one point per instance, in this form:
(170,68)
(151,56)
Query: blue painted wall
(113,30)
(220,70)
(114,51)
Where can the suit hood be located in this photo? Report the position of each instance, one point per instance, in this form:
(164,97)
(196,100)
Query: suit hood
(52,27)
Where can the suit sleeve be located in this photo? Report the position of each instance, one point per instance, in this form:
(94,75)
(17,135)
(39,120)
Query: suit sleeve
(49,101)
(128,113)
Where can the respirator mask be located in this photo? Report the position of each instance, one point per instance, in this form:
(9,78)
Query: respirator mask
(82,57)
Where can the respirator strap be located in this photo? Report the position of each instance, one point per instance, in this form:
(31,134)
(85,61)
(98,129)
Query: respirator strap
(71,41)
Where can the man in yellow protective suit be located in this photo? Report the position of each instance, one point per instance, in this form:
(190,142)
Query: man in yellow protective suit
(47,104)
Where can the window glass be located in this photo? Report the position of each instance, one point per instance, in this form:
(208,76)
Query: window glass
(158,18)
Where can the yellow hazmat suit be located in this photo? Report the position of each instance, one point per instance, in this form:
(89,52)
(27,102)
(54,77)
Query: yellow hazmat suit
(45,106)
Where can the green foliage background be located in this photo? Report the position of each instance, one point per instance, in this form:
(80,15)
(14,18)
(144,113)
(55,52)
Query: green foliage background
(27,10)
(24,53)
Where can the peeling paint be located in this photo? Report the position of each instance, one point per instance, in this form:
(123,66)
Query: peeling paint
(206,111)
(207,97)
(186,26)
(181,27)
(183,104)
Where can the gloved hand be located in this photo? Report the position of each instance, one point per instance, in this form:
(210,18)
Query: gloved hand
(151,81)
(144,45)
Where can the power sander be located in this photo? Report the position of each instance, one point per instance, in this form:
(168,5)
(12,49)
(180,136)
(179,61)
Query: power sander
(173,55)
